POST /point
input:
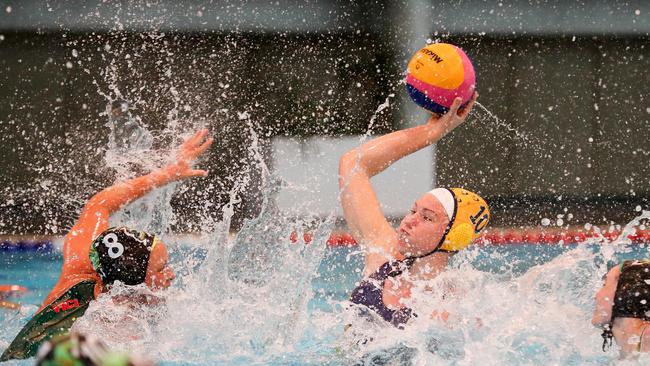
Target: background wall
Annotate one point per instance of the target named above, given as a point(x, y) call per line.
point(563, 127)
point(574, 126)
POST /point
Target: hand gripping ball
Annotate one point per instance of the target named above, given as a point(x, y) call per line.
point(437, 74)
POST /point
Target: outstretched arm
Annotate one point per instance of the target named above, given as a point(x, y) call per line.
point(605, 298)
point(95, 214)
point(360, 205)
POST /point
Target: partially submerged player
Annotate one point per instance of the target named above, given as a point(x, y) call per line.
point(77, 349)
point(7, 291)
point(441, 222)
point(95, 256)
point(623, 307)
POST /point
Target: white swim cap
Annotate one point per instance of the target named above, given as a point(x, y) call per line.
point(446, 199)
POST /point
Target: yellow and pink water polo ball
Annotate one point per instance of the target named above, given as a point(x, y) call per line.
point(437, 74)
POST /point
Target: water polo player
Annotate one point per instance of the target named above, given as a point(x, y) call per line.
point(623, 307)
point(441, 222)
point(95, 256)
point(7, 291)
point(76, 349)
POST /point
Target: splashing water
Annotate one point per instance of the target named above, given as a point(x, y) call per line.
point(521, 138)
point(254, 290)
point(541, 316)
point(130, 153)
point(128, 140)
point(254, 298)
point(249, 299)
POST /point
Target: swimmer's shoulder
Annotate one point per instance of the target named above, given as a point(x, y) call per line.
point(76, 251)
point(612, 276)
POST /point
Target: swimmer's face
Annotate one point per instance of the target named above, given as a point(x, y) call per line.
point(159, 274)
point(421, 230)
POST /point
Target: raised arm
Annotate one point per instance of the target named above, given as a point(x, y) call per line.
point(361, 208)
point(605, 298)
point(94, 216)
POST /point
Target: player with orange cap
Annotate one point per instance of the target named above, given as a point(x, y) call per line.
point(7, 291)
point(440, 223)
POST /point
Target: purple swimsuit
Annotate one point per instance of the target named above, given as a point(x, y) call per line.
point(370, 292)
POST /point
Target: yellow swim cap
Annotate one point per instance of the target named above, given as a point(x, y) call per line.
point(468, 216)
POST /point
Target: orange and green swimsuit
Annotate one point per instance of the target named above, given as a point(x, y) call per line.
point(54, 319)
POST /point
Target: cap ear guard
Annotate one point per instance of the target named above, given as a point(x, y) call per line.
point(458, 238)
point(471, 217)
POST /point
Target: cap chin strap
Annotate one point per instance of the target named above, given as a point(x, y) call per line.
point(410, 260)
point(438, 249)
point(607, 336)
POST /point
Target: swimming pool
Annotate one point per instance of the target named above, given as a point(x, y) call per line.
point(534, 304)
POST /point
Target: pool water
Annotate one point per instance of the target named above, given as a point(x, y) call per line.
point(37, 271)
point(533, 303)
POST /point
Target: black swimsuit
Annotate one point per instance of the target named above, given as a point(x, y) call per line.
point(370, 292)
point(632, 297)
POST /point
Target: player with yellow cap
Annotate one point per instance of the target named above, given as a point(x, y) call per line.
point(440, 223)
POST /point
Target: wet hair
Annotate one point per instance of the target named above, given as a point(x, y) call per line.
point(122, 254)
